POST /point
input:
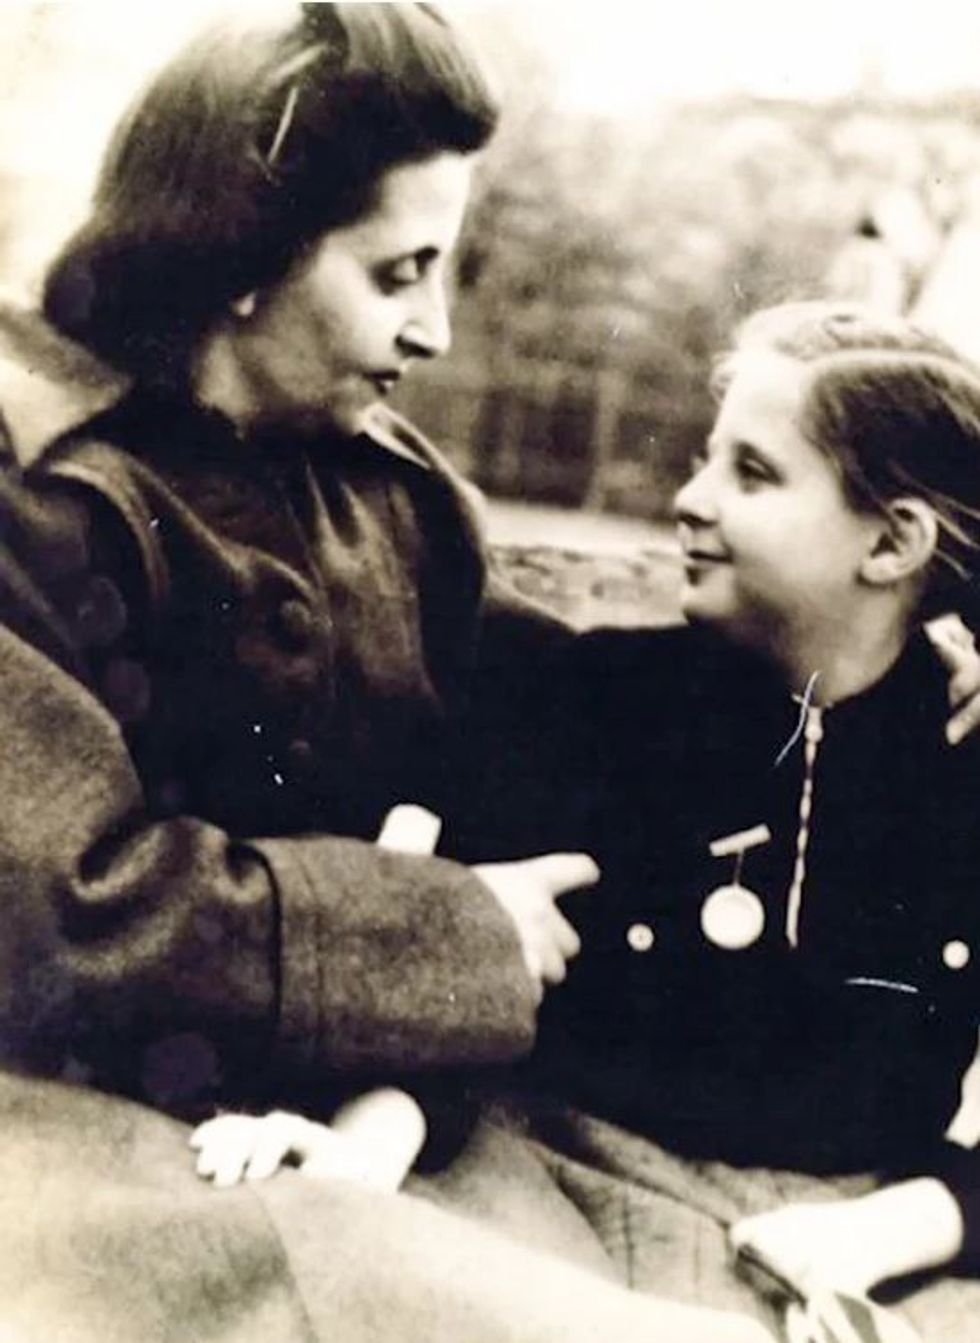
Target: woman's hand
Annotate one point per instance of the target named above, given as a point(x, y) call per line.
point(528, 891)
point(854, 1244)
point(956, 649)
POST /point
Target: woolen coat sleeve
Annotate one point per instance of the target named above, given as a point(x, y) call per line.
point(303, 953)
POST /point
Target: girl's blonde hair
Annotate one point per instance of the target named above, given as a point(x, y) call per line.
point(898, 409)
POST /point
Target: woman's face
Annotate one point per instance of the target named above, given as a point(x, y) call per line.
point(343, 327)
point(771, 545)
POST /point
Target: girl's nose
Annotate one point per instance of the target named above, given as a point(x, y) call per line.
point(693, 503)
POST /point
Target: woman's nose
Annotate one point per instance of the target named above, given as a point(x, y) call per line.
point(427, 331)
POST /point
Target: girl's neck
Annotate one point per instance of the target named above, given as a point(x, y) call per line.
point(847, 658)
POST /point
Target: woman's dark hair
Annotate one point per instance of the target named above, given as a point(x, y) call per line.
point(247, 146)
point(898, 410)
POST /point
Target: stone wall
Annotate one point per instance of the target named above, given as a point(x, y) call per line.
point(596, 589)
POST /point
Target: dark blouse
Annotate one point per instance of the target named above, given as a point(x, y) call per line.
point(842, 1053)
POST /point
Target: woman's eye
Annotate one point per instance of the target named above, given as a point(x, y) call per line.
point(400, 274)
point(752, 470)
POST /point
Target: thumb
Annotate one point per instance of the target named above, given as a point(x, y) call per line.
point(952, 641)
point(561, 872)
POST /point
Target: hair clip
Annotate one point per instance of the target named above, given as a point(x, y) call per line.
point(285, 121)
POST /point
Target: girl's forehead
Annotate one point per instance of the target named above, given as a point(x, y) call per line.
point(766, 389)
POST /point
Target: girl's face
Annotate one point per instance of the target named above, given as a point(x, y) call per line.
point(771, 545)
point(342, 328)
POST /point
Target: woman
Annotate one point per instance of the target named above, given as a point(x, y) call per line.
point(780, 970)
point(242, 607)
point(289, 587)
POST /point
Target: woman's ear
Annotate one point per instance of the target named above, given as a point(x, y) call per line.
point(244, 306)
point(905, 543)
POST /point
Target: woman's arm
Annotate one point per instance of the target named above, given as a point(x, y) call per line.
point(956, 648)
point(279, 954)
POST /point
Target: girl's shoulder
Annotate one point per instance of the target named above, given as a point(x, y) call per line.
point(686, 659)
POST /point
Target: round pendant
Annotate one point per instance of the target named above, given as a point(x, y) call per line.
point(733, 917)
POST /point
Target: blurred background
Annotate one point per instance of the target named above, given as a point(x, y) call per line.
point(662, 170)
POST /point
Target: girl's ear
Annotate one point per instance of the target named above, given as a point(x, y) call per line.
point(905, 544)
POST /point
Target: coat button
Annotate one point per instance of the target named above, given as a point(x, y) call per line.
point(100, 615)
point(733, 917)
point(126, 690)
point(169, 797)
point(294, 622)
point(301, 756)
point(956, 955)
point(640, 937)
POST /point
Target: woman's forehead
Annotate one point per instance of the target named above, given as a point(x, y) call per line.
point(418, 204)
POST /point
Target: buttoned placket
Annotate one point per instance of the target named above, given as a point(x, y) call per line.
point(812, 737)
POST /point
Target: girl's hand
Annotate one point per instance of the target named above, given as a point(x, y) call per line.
point(528, 891)
point(372, 1139)
point(956, 649)
point(806, 1243)
point(233, 1147)
point(855, 1244)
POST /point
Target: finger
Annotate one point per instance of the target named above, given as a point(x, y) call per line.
point(566, 938)
point(212, 1136)
point(964, 722)
point(964, 685)
point(950, 629)
point(202, 1134)
point(274, 1140)
point(952, 642)
point(754, 1235)
point(224, 1162)
point(798, 1325)
point(410, 829)
point(211, 1130)
point(553, 969)
point(228, 1148)
point(561, 872)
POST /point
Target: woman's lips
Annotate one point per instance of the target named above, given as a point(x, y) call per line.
point(384, 382)
point(706, 557)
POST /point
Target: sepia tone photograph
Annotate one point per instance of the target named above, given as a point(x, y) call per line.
point(489, 696)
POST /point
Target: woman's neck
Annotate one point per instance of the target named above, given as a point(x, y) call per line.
point(217, 383)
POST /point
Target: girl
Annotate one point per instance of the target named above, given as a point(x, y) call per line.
point(781, 969)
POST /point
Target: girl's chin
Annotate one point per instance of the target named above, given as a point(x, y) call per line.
point(696, 605)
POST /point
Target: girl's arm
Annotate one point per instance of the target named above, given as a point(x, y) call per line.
point(855, 1244)
point(372, 1139)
